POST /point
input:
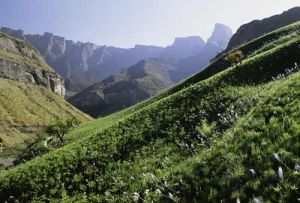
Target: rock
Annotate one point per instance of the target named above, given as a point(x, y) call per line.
point(258, 28)
point(20, 62)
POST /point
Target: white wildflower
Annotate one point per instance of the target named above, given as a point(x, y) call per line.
point(297, 167)
point(136, 196)
point(158, 192)
point(171, 196)
point(147, 192)
point(238, 200)
point(252, 171)
point(153, 176)
point(277, 157)
point(255, 200)
point(280, 173)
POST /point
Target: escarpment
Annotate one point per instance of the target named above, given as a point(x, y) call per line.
point(19, 61)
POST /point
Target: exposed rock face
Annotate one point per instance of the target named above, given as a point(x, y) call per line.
point(215, 45)
point(258, 28)
point(20, 62)
point(81, 64)
point(220, 36)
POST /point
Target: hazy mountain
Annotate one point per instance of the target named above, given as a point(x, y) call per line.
point(257, 28)
point(81, 64)
point(144, 79)
point(183, 47)
point(132, 85)
point(215, 45)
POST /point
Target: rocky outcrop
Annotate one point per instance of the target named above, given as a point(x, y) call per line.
point(220, 36)
point(20, 62)
point(258, 28)
point(20, 72)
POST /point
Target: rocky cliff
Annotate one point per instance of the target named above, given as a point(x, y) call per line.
point(19, 61)
point(257, 28)
point(82, 64)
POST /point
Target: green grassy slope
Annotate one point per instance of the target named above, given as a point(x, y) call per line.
point(210, 141)
point(24, 108)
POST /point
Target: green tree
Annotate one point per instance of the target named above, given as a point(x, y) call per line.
point(60, 128)
point(235, 57)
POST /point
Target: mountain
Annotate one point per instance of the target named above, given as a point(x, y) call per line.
point(31, 93)
point(183, 47)
point(229, 133)
point(82, 64)
point(85, 61)
point(126, 89)
point(132, 85)
point(258, 28)
point(216, 43)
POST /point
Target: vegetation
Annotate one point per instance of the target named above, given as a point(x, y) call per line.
point(25, 109)
point(235, 57)
point(229, 133)
point(47, 139)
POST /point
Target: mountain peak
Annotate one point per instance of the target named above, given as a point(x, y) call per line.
point(221, 35)
point(190, 41)
point(15, 33)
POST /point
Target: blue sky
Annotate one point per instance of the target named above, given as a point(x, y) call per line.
point(124, 23)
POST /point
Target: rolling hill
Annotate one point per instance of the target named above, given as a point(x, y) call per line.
point(229, 133)
point(31, 93)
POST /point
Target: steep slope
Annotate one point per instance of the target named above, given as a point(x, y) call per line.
point(231, 137)
point(132, 85)
point(31, 93)
point(257, 28)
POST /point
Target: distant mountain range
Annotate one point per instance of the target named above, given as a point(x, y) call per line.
point(132, 85)
point(83, 64)
point(183, 58)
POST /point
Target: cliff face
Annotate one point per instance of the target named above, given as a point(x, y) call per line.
point(21, 62)
point(257, 28)
point(82, 64)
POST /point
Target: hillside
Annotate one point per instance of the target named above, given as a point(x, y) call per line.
point(257, 28)
point(230, 133)
point(31, 93)
point(132, 85)
point(82, 64)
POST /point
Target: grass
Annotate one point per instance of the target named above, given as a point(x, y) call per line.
point(24, 109)
point(208, 139)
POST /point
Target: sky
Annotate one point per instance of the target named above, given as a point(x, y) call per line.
point(125, 23)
